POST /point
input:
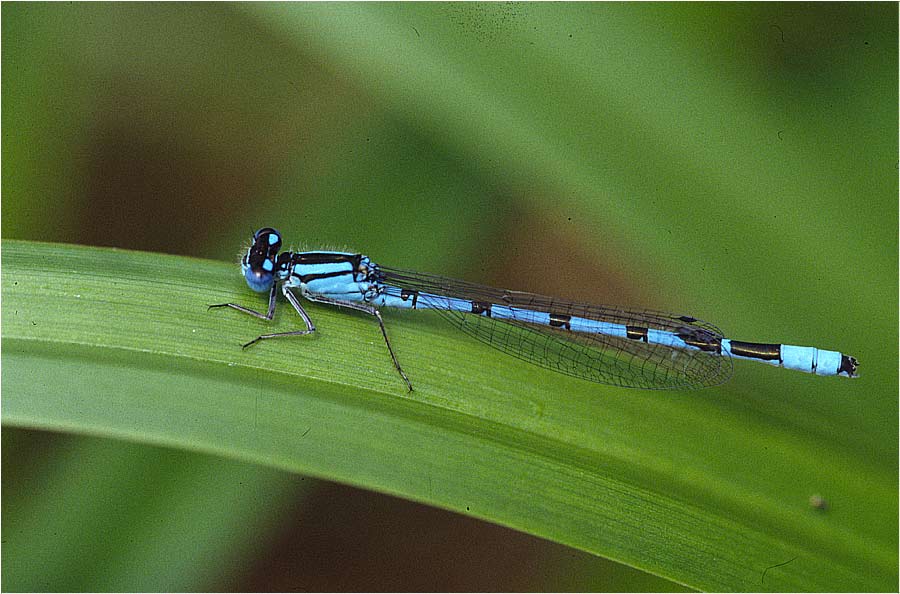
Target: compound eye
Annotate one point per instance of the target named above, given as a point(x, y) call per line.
point(268, 240)
point(259, 262)
point(258, 279)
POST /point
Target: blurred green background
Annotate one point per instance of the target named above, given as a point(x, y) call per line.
point(738, 162)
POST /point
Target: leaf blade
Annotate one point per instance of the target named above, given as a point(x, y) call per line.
point(124, 347)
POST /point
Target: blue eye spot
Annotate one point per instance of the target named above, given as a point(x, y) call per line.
point(273, 238)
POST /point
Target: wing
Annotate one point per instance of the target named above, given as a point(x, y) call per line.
point(597, 357)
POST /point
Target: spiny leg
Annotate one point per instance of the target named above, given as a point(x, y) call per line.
point(267, 316)
point(373, 311)
point(310, 328)
point(273, 294)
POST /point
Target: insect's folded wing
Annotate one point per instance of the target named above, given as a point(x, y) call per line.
point(597, 356)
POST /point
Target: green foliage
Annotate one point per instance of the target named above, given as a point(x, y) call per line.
point(124, 347)
point(737, 162)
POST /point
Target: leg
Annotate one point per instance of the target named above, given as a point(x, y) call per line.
point(372, 311)
point(273, 294)
point(296, 303)
point(267, 316)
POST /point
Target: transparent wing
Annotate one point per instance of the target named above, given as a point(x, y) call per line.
point(595, 357)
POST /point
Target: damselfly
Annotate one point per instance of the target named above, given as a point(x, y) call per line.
point(609, 345)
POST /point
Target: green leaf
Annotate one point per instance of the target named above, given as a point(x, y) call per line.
point(699, 487)
point(164, 519)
